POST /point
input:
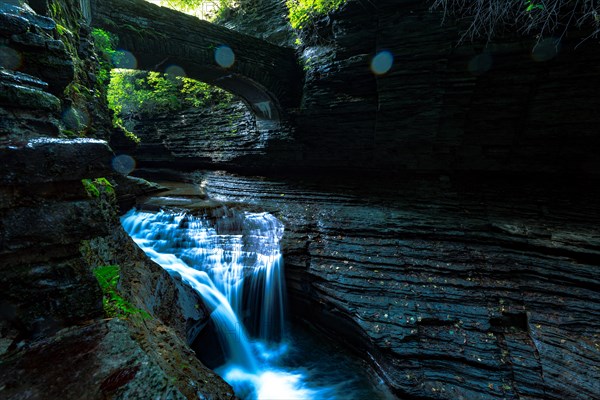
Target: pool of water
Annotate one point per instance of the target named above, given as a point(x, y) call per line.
point(307, 366)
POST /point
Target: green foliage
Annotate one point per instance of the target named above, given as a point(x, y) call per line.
point(105, 46)
point(133, 94)
point(96, 186)
point(114, 304)
point(108, 187)
point(302, 13)
point(532, 5)
point(62, 30)
point(205, 9)
point(183, 5)
point(200, 94)
point(90, 188)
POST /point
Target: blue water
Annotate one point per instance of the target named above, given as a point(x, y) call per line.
point(233, 260)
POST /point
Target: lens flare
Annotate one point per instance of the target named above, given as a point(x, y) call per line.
point(125, 59)
point(75, 119)
point(546, 49)
point(382, 62)
point(123, 164)
point(9, 58)
point(175, 70)
point(224, 56)
point(480, 64)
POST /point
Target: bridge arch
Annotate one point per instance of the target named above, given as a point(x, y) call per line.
point(267, 77)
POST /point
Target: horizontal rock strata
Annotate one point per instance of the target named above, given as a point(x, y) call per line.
point(54, 339)
point(474, 291)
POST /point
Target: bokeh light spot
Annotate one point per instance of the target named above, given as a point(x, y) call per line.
point(75, 119)
point(175, 70)
point(9, 58)
point(125, 59)
point(546, 49)
point(480, 63)
point(224, 56)
point(382, 62)
point(123, 164)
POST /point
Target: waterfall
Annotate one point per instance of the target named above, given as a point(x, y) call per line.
point(234, 261)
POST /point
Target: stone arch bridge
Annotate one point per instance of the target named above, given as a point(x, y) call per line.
point(267, 77)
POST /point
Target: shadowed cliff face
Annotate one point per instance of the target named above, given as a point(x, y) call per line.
point(511, 105)
point(54, 339)
point(454, 290)
point(507, 105)
point(224, 135)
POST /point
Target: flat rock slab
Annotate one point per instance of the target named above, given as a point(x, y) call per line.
point(50, 160)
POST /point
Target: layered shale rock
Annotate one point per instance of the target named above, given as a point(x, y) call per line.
point(453, 290)
point(264, 19)
point(226, 135)
point(54, 340)
point(215, 134)
point(29, 46)
point(508, 105)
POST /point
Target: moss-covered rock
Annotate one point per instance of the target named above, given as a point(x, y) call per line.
point(28, 97)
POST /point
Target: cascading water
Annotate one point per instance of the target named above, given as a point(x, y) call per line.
point(234, 261)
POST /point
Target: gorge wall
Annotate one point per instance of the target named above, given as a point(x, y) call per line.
point(55, 341)
point(511, 105)
point(504, 106)
point(453, 290)
point(197, 137)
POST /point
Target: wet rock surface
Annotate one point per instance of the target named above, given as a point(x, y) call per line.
point(52, 234)
point(54, 340)
point(44, 160)
point(102, 354)
point(34, 69)
point(29, 46)
point(112, 359)
point(227, 135)
point(26, 108)
point(178, 315)
point(45, 214)
point(462, 289)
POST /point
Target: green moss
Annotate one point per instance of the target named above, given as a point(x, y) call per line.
point(84, 94)
point(105, 44)
point(97, 186)
point(62, 30)
point(90, 188)
point(108, 187)
point(114, 304)
point(69, 133)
